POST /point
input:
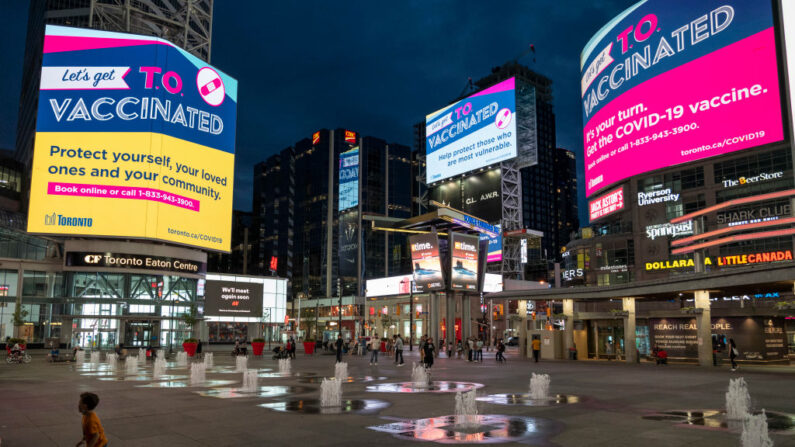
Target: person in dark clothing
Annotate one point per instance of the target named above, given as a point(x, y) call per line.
point(428, 349)
point(500, 351)
point(339, 345)
point(198, 349)
point(733, 353)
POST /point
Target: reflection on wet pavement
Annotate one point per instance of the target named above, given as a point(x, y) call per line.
point(434, 387)
point(355, 406)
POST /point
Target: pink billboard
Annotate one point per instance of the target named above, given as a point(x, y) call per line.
point(673, 82)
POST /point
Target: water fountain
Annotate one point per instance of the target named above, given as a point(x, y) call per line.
point(419, 376)
point(331, 393)
point(112, 359)
point(182, 359)
point(159, 368)
point(141, 355)
point(198, 374)
point(80, 357)
point(250, 381)
point(755, 431)
point(738, 401)
point(466, 408)
point(539, 386)
point(241, 363)
point(341, 371)
point(284, 366)
point(131, 365)
point(95, 357)
point(208, 360)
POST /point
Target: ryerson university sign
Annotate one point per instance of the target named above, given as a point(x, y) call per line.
point(659, 196)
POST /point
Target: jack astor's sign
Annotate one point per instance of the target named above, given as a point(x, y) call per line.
point(722, 261)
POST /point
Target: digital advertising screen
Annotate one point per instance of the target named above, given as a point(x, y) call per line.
point(494, 253)
point(427, 266)
point(464, 266)
point(349, 179)
point(135, 138)
point(606, 204)
point(675, 81)
point(474, 132)
point(233, 299)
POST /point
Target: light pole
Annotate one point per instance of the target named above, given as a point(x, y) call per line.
point(411, 314)
point(339, 313)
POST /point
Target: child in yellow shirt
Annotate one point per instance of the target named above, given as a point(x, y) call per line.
point(93, 433)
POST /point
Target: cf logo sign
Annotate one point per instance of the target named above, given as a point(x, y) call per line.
point(93, 259)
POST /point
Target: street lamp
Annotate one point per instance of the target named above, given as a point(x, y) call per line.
point(411, 314)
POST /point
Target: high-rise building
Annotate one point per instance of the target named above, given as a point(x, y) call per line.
point(186, 23)
point(274, 208)
point(566, 217)
point(527, 184)
point(308, 206)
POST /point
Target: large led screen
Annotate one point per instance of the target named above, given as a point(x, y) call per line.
point(135, 138)
point(349, 179)
point(669, 82)
point(233, 299)
point(426, 262)
point(474, 132)
point(464, 266)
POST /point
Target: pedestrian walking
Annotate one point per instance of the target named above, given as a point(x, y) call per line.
point(450, 349)
point(500, 351)
point(399, 350)
point(339, 345)
point(459, 349)
point(479, 346)
point(291, 352)
point(428, 348)
point(422, 348)
point(536, 348)
point(375, 346)
point(470, 349)
point(733, 354)
point(199, 349)
point(93, 433)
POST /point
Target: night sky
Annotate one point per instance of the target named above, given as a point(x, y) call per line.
point(374, 67)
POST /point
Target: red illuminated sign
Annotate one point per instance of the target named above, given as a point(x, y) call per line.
point(755, 258)
point(315, 138)
point(274, 263)
point(607, 204)
point(350, 136)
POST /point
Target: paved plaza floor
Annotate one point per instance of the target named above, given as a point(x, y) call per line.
point(38, 403)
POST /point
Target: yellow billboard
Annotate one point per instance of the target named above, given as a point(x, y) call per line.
point(135, 139)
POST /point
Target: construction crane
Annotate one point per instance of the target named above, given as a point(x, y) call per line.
point(528, 50)
point(469, 87)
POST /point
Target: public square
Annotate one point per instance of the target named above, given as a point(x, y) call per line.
point(39, 404)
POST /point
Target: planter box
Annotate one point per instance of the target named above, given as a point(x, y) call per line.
point(258, 347)
point(190, 348)
point(309, 347)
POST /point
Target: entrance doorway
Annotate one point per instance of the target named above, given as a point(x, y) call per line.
point(140, 333)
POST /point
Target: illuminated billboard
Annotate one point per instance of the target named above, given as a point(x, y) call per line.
point(474, 132)
point(670, 82)
point(349, 179)
point(426, 262)
point(135, 138)
point(606, 204)
point(464, 265)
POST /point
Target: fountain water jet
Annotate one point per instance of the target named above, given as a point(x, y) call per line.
point(331, 393)
point(539, 386)
point(755, 431)
point(250, 380)
point(241, 363)
point(182, 359)
point(131, 365)
point(141, 355)
point(419, 376)
point(466, 408)
point(738, 401)
point(341, 371)
point(198, 373)
point(112, 359)
point(159, 368)
point(208, 360)
point(95, 357)
point(284, 366)
point(80, 357)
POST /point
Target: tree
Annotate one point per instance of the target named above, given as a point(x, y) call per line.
point(190, 318)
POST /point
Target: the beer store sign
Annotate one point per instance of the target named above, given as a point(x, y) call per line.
point(722, 261)
point(127, 261)
point(763, 177)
